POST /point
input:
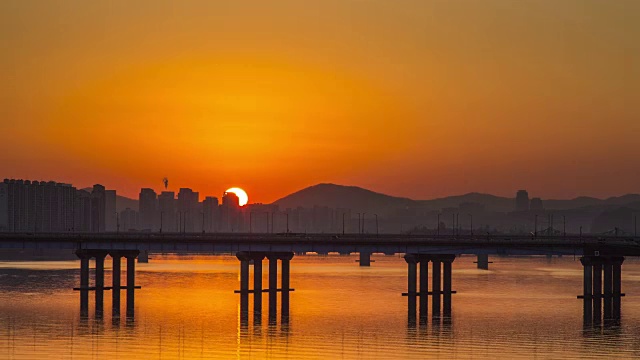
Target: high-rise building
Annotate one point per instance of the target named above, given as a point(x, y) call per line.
point(129, 220)
point(98, 208)
point(210, 208)
point(188, 210)
point(522, 200)
point(37, 206)
point(82, 211)
point(230, 214)
point(536, 204)
point(148, 210)
point(169, 221)
point(4, 206)
point(110, 217)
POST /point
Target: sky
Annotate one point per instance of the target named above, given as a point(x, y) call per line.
point(415, 98)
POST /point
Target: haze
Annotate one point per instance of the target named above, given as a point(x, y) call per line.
point(411, 98)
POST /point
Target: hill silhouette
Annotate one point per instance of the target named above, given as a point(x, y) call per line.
point(362, 200)
point(349, 197)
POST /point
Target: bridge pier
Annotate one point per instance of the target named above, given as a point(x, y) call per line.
point(598, 290)
point(483, 261)
point(436, 286)
point(440, 285)
point(257, 257)
point(85, 255)
point(99, 274)
point(84, 283)
point(143, 257)
point(412, 270)
point(424, 287)
point(447, 262)
point(131, 281)
point(115, 282)
point(365, 258)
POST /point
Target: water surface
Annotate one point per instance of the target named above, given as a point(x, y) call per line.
point(523, 307)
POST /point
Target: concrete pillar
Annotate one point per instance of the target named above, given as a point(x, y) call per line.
point(115, 283)
point(84, 282)
point(143, 257)
point(131, 283)
point(446, 285)
point(412, 275)
point(365, 258)
point(257, 285)
point(273, 287)
point(587, 290)
point(436, 286)
point(616, 264)
point(483, 261)
point(608, 289)
point(285, 282)
point(424, 286)
point(99, 283)
point(597, 289)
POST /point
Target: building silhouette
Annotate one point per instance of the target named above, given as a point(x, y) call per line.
point(169, 221)
point(522, 200)
point(148, 210)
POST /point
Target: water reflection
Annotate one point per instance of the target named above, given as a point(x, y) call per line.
point(256, 312)
point(99, 306)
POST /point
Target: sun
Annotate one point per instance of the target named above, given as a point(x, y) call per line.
point(242, 195)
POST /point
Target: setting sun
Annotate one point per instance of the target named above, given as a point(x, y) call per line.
point(242, 195)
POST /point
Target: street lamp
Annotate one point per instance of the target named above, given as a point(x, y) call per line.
point(471, 219)
point(117, 222)
point(250, 222)
point(287, 222)
point(358, 222)
point(343, 223)
point(438, 225)
point(161, 213)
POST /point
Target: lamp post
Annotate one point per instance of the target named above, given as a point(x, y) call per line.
point(438, 225)
point(358, 223)
point(471, 219)
point(117, 222)
point(343, 223)
point(203, 222)
point(161, 213)
point(377, 230)
point(250, 222)
point(287, 222)
point(564, 225)
point(535, 226)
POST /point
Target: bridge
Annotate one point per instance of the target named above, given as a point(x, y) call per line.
point(600, 255)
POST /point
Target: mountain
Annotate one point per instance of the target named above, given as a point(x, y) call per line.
point(362, 200)
point(349, 197)
point(490, 202)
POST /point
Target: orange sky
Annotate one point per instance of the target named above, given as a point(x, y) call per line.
point(412, 98)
